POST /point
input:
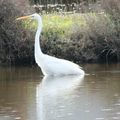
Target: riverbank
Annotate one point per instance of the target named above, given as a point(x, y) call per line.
point(79, 37)
point(89, 37)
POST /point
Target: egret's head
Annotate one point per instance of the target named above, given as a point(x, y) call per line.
point(33, 16)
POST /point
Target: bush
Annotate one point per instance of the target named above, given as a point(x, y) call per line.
point(89, 37)
point(99, 41)
point(112, 8)
point(15, 42)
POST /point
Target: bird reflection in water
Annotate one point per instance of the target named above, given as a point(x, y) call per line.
point(53, 93)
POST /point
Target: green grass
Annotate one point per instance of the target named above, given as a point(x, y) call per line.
point(57, 24)
point(80, 37)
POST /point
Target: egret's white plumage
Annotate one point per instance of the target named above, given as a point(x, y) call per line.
point(51, 65)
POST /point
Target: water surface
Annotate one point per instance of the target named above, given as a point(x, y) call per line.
point(26, 95)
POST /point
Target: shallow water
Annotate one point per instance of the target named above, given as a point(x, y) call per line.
point(26, 95)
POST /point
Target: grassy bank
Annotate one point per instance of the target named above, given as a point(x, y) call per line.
point(89, 37)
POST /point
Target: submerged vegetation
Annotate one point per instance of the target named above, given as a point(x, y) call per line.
point(79, 37)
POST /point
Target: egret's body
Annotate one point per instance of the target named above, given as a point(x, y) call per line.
point(54, 66)
point(51, 65)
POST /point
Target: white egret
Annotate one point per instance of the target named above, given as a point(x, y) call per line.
point(51, 65)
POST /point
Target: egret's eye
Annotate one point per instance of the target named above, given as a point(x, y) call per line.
point(32, 17)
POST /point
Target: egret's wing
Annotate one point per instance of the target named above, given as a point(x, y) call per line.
point(59, 61)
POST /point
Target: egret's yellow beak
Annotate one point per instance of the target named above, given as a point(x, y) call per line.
point(22, 18)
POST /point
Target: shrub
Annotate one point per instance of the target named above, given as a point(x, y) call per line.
point(15, 42)
point(90, 38)
point(98, 41)
point(112, 8)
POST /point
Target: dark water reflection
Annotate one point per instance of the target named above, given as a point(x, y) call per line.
point(25, 95)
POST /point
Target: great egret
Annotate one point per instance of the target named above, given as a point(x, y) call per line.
point(51, 65)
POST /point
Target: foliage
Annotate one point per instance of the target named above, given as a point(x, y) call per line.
point(94, 39)
point(60, 1)
point(15, 42)
point(88, 37)
point(112, 7)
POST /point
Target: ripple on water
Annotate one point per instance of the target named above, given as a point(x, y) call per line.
point(6, 116)
point(116, 95)
point(115, 118)
point(118, 113)
point(62, 106)
point(87, 111)
point(59, 116)
point(69, 114)
point(14, 111)
point(17, 118)
point(117, 104)
point(106, 109)
point(100, 118)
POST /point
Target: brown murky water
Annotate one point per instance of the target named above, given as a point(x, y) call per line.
point(26, 95)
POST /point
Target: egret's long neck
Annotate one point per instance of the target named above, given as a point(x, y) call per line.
point(37, 36)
